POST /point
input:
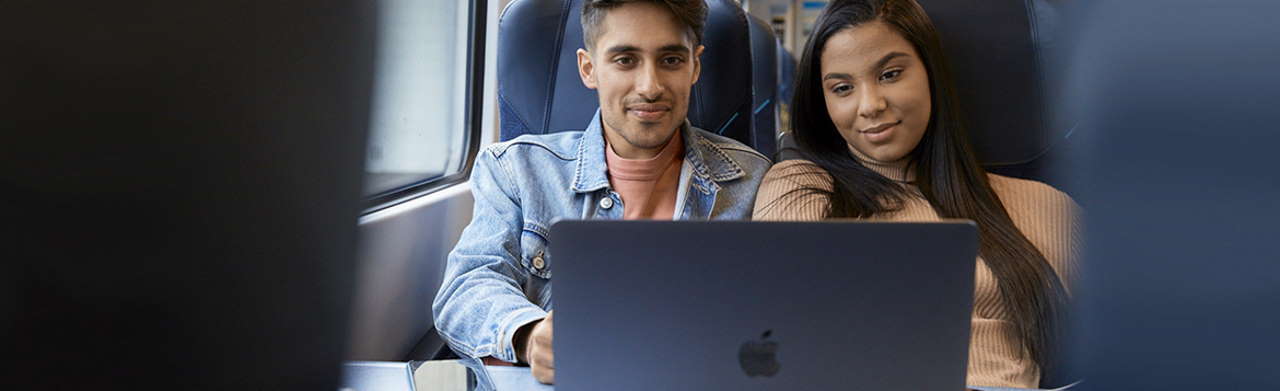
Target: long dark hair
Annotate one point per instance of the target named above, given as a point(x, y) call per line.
point(947, 172)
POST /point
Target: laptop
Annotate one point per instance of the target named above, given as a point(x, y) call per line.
point(734, 305)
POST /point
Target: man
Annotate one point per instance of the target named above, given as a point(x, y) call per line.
point(638, 159)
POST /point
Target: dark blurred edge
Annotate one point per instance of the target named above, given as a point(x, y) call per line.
point(180, 188)
point(1180, 278)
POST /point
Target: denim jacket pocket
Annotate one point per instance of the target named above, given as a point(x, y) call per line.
point(533, 244)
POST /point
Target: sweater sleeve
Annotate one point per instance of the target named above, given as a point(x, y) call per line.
point(788, 193)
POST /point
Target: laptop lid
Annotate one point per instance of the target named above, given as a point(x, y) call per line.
point(645, 305)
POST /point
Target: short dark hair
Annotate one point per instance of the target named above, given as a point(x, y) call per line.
point(691, 13)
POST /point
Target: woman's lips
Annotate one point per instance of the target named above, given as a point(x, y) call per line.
point(880, 133)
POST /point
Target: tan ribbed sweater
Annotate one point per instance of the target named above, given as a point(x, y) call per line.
point(1044, 215)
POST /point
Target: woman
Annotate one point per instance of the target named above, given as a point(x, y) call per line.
point(876, 118)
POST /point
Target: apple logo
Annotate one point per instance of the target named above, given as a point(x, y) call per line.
point(760, 357)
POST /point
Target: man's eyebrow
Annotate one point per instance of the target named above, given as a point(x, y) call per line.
point(674, 48)
point(665, 49)
point(845, 76)
point(887, 58)
point(622, 49)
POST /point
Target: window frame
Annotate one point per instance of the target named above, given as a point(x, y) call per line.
point(472, 118)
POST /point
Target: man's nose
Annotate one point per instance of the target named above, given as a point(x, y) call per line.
point(648, 84)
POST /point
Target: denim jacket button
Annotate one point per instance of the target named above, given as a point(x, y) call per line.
point(606, 203)
point(538, 263)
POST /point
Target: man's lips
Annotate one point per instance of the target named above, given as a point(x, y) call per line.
point(649, 107)
point(649, 111)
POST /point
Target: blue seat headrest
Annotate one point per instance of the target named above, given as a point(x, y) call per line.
point(1002, 56)
point(539, 90)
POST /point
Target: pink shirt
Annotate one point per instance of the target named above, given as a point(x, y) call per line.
point(648, 187)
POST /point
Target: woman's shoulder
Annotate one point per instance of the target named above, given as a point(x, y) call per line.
point(1026, 191)
point(1047, 216)
point(786, 192)
point(1042, 212)
point(797, 173)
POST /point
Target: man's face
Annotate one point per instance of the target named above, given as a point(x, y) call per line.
point(643, 65)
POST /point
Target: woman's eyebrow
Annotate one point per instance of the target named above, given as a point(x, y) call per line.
point(845, 76)
point(879, 64)
point(887, 58)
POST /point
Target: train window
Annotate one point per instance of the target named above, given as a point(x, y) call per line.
point(424, 123)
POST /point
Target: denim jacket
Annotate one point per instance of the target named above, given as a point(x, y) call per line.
point(498, 277)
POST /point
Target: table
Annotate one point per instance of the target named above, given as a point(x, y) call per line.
point(520, 379)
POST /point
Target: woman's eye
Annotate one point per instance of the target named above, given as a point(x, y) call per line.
point(842, 88)
point(891, 75)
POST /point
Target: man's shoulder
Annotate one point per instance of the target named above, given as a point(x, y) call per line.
point(740, 153)
point(559, 145)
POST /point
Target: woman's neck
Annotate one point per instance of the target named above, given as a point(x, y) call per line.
point(897, 170)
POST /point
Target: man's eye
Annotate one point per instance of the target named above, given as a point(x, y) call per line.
point(672, 61)
point(624, 61)
point(891, 75)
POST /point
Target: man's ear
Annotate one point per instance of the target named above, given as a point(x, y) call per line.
point(697, 63)
point(586, 69)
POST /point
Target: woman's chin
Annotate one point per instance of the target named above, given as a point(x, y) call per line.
point(881, 153)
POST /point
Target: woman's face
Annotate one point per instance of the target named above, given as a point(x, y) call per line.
point(876, 90)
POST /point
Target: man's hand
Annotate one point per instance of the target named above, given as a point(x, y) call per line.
point(538, 352)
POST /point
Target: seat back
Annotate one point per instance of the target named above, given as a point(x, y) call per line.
point(764, 69)
point(786, 75)
point(1003, 56)
point(539, 90)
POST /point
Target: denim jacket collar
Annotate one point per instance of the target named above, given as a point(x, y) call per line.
point(708, 160)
